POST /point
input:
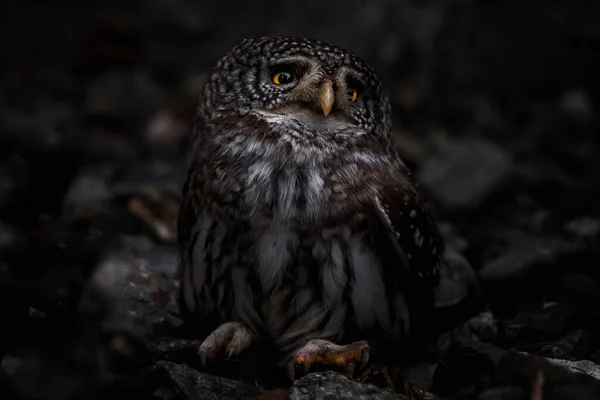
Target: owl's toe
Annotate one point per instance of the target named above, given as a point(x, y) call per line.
point(231, 336)
point(349, 359)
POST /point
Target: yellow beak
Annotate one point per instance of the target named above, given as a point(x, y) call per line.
point(326, 97)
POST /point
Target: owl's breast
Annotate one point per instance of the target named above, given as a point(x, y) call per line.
point(286, 193)
point(322, 282)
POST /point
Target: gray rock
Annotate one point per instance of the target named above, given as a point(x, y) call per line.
point(102, 298)
point(585, 227)
point(88, 190)
point(559, 378)
point(157, 257)
point(457, 279)
point(577, 103)
point(165, 132)
point(333, 386)
point(451, 236)
point(584, 366)
point(182, 382)
point(464, 173)
point(124, 295)
point(486, 353)
point(150, 298)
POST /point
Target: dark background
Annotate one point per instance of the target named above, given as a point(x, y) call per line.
point(496, 110)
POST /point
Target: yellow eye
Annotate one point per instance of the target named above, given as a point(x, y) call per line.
point(353, 94)
point(283, 77)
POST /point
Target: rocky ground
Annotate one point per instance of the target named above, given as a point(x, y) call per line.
point(496, 111)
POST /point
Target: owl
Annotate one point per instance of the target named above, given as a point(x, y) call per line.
point(299, 223)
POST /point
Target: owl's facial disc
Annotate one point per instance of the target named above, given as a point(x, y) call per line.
point(310, 92)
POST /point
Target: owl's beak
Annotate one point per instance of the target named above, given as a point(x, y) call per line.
point(326, 97)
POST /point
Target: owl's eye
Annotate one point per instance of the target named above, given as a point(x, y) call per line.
point(284, 76)
point(353, 94)
point(354, 87)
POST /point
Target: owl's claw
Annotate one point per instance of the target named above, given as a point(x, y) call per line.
point(233, 336)
point(328, 354)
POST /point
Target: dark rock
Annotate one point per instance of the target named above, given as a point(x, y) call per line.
point(544, 321)
point(465, 361)
point(178, 381)
point(331, 385)
point(108, 42)
point(276, 394)
point(158, 212)
point(149, 297)
point(584, 366)
point(89, 192)
point(519, 369)
point(160, 175)
point(70, 366)
point(47, 268)
point(577, 104)
point(166, 131)
point(180, 351)
point(573, 346)
point(33, 374)
point(465, 64)
point(151, 191)
point(122, 94)
point(580, 288)
point(464, 173)
point(502, 393)
point(40, 178)
point(526, 254)
point(6, 185)
point(157, 257)
point(8, 236)
point(482, 327)
point(487, 353)
point(421, 375)
point(39, 128)
point(410, 147)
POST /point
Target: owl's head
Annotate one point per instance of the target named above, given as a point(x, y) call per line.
point(297, 79)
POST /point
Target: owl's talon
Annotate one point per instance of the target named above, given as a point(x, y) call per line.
point(233, 336)
point(328, 354)
point(366, 353)
point(300, 369)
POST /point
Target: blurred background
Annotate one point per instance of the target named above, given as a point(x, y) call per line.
point(496, 110)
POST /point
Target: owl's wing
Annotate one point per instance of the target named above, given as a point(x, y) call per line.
point(411, 237)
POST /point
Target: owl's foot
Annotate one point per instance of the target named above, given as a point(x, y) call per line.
point(233, 336)
point(327, 354)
